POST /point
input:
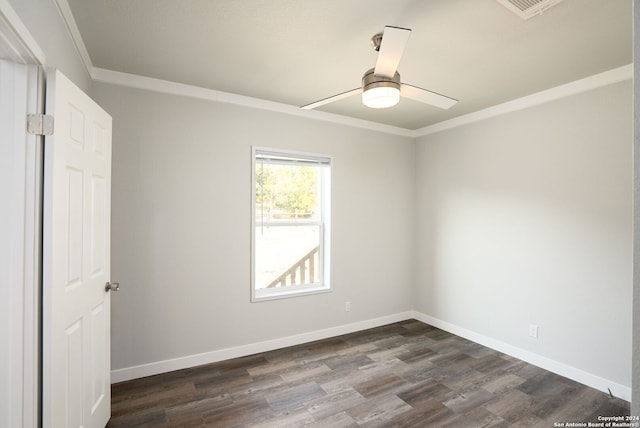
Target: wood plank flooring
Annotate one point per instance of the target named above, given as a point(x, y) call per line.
point(406, 374)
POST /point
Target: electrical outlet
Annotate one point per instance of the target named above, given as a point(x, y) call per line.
point(533, 331)
point(347, 306)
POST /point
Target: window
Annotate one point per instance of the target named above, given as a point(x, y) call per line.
point(291, 204)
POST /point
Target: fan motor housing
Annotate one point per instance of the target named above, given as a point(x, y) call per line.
point(371, 80)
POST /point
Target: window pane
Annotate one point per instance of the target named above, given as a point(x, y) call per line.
point(291, 224)
point(286, 256)
point(286, 192)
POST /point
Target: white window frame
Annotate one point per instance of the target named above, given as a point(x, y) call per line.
point(324, 222)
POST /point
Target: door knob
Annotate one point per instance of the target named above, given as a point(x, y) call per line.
point(111, 286)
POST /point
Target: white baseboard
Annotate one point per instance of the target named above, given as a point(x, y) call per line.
point(589, 379)
point(585, 378)
point(128, 373)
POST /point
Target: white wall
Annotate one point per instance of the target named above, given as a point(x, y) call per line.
point(181, 225)
point(526, 219)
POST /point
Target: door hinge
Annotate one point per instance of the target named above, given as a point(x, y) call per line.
point(40, 124)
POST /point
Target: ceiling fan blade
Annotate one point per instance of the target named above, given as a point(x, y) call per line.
point(427, 97)
point(332, 99)
point(394, 40)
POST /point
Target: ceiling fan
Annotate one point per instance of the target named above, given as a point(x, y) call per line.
point(381, 86)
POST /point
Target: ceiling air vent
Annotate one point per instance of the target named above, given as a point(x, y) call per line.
point(525, 9)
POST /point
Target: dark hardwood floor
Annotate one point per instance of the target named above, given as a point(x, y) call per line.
point(406, 374)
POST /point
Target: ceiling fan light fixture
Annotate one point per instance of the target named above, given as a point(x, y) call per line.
point(381, 97)
point(380, 91)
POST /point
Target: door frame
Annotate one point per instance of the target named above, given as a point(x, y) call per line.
point(17, 46)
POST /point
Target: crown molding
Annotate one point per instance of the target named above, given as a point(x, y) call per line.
point(151, 84)
point(74, 33)
point(573, 88)
point(173, 88)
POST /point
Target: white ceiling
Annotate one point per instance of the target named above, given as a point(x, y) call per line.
point(299, 51)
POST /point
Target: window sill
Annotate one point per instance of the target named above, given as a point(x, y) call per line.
point(283, 293)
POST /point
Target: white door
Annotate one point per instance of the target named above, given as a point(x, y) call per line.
point(76, 259)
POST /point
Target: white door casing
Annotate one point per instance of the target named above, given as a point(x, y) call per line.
point(76, 259)
point(19, 246)
point(21, 93)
